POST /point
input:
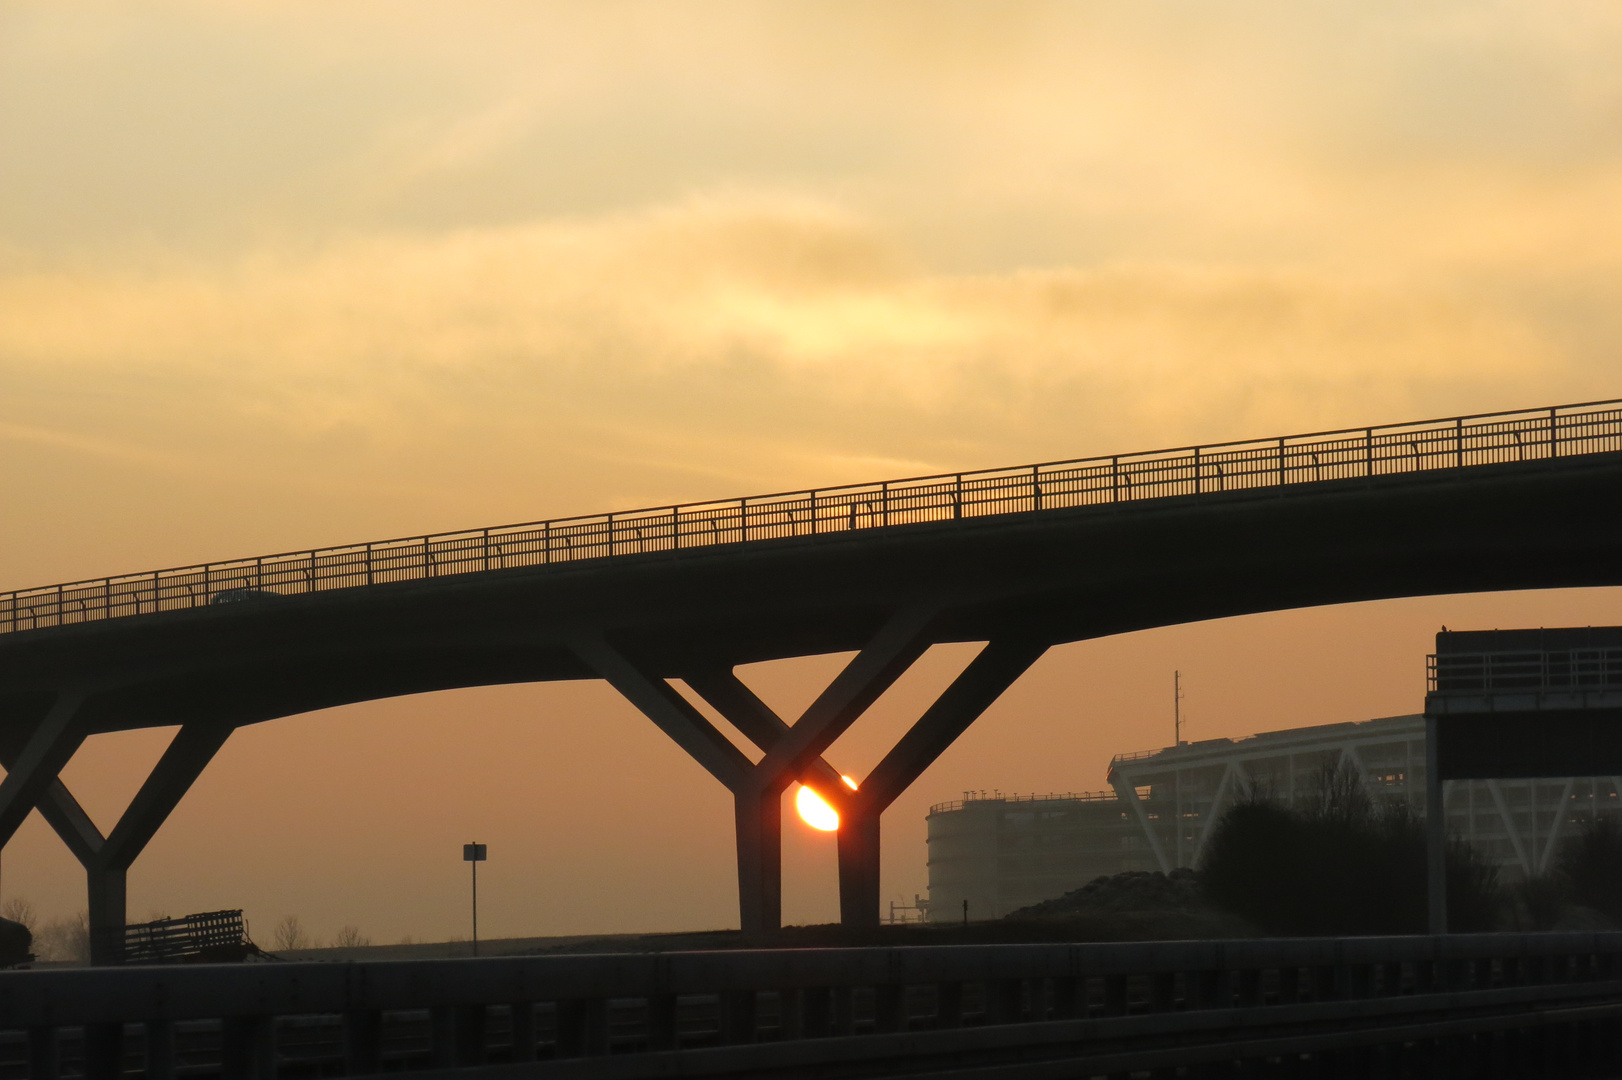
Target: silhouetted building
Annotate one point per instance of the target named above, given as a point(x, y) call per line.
point(1005, 852)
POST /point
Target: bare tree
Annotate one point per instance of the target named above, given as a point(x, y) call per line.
point(289, 934)
point(64, 939)
point(20, 910)
point(350, 937)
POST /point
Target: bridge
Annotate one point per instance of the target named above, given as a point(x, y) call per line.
point(1020, 559)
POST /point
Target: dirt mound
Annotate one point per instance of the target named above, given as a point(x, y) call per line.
point(1132, 892)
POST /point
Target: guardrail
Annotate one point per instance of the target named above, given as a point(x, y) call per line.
point(1423, 446)
point(672, 1014)
point(970, 798)
point(1524, 670)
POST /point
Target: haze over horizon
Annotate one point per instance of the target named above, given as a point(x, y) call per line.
point(275, 276)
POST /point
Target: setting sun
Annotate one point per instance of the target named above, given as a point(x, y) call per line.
point(815, 812)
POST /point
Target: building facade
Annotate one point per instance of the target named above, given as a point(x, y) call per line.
point(1001, 853)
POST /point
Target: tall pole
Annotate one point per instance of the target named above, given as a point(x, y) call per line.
point(1177, 774)
point(1177, 708)
point(475, 854)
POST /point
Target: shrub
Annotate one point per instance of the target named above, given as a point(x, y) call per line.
point(64, 939)
point(1343, 863)
point(350, 937)
point(289, 934)
point(20, 910)
point(1591, 865)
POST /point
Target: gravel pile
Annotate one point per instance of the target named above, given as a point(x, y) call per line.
point(1132, 891)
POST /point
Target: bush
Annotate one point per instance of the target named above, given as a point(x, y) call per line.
point(350, 937)
point(1590, 865)
point(64, 939)
point(289, 934)
point(20, 910)
point(1342, 864)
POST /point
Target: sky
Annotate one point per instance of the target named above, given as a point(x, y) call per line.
point(282, 275)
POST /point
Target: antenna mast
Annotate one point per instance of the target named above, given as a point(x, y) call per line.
point(1177, 707)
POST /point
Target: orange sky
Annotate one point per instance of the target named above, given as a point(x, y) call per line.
point(274, 276)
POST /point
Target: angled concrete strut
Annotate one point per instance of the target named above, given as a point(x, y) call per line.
point(32, 768)
point(994, 670)
point(670, 712)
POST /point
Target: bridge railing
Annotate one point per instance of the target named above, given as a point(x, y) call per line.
point(355, 1018)
point(971, 798)
point(1454, 443)
point(1525, 670)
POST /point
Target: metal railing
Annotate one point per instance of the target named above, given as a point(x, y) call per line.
point(753, 1013)
point(1136, 755)
point(211, 935)
point(1524, 670)
point(971, 798)
point(1423, 446)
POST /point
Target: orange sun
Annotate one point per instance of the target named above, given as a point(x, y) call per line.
point(818, 814)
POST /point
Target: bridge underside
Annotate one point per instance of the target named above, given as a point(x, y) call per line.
point(1020, 582)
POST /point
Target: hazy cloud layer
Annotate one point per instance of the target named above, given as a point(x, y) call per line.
point(676, 332)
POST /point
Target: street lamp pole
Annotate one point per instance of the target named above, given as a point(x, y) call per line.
point(474, 854)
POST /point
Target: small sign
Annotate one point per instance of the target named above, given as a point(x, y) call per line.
point(473, 853)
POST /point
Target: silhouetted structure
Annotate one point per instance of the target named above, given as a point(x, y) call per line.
point(1004, 852)
point(1530, 704)
point(1018, 558)
point(207, 937)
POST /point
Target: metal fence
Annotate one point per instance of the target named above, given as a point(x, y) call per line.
point(214, 934)
point(1424, 446)
point(1559, 669)
point(971, 798)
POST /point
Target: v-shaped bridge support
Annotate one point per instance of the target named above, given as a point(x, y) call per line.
point(33, 782)
point(794, 751)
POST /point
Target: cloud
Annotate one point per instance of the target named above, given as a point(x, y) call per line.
point(757, 317)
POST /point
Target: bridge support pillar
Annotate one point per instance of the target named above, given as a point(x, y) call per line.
point(994, 670)
point(106, 859)
point(794, 751)
point(760, 860)
point(791, 753)
point(859, 893)
point(107, 911)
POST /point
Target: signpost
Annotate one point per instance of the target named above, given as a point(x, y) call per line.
point(474, 854)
